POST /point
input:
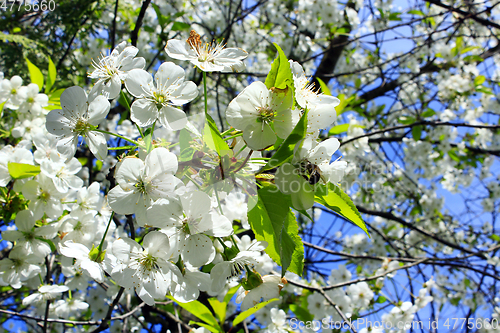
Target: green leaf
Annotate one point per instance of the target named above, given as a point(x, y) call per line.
point(208, 327)
point(324, 87)
point(180, 26)
point(280, 76)
point(35, 74)
point(21, 170)
point(335, 130)
point(406, 120)
point(245, 314)
point(428, 113)
point(301, 313)
point(344, 102)
point(273, 221)
point(473, 58)
point(219, 309)
point(200, 311)
point(470, 48)
point(231, 293)
point(285, 151)
point(148, 141)
point(479, 80)
point(162, 19)
point(484, 90)
point(334, 198)
point(213, 138)
point(495, 237)
point(416, 12)
point(51, 78)
point(416, 132)
point(381, 299)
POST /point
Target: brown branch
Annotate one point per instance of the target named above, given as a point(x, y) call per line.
point(466, 15)
point(134, 35)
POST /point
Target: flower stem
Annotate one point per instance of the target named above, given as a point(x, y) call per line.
point(234, 136)
point(128, 108)
point(105, 233)
point(117, 135)
point(205, 91)
point(218, 201)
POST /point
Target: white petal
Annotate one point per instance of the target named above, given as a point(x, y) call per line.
point(98, 110)
point(129, 173)
point(172, 117)
point(186, 93)
point(97, 144)
point(123, 202)
point(198, 250)
point(160, 161)
point(196, 204)
point(74, 100)
point(169, 73)
point(178, 49)
point(138, 82)
point(144, 112)
point(259, 136)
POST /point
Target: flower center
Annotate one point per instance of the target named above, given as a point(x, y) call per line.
point(31, 100)
point(160, 100)
point(266, 115)
point(147, 261)
point(81, 127)
point(44, 196)
point(143, 187)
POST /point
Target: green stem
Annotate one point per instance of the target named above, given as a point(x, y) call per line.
point(218, 201)
point(105, 233)
point(128, 108)
point(227, 132)
point(122, 148)
point(205, 91)
point(234, 136)
point(117, 135)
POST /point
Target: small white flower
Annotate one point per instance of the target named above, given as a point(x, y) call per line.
point(158, 101)
point(112, 70)
point(44, 293)
point(28, 236)
point(261, 114)
point(321, 107)
point(81, 253)
point(188, 221)
point(77, 118)
point(140, 183)
point(269, 288)
point(207, 57)
point(147, 269)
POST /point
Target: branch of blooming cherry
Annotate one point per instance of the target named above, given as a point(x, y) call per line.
point(421, 122)
point(429, 261)
point(73, 322)
point(135, 33)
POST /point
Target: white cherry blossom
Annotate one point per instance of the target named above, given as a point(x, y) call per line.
point(159, 101)
point(207, 57)
point(79, 117)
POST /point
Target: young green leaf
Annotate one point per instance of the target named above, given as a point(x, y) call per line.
point(21, 170)
point(51, 78)
point(35, 74)
point(324, 87)
point(271, 219)
point(285, 151)
point(280, 76)
point(245, 314)
point(199, 310)
point(332, 197)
